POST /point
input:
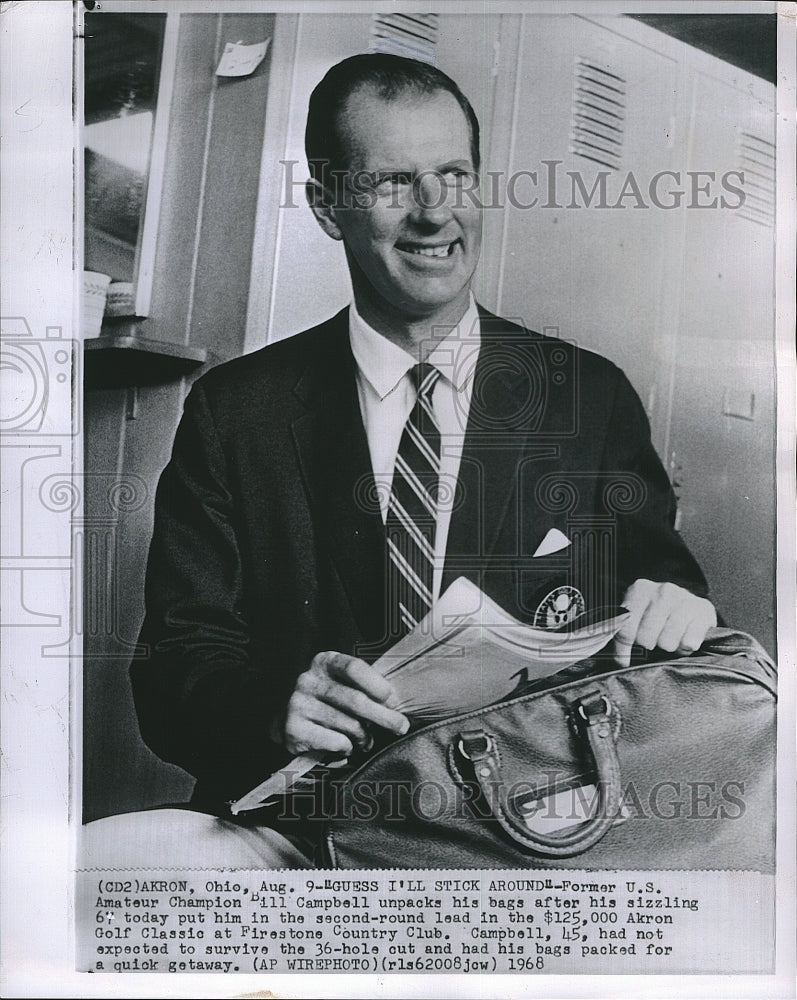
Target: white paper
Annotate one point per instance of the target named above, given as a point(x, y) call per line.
point(241, 60)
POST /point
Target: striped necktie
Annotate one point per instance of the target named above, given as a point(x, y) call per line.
point(412, 510)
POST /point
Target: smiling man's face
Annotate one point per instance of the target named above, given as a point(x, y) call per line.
point(413, 243)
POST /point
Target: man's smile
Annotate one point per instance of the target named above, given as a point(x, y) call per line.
point(429, 250)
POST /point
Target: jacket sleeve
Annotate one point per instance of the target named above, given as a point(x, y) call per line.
point(643, 502)
point(201, 702)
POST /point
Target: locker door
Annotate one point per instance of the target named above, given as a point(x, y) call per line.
point(592, 108)
point(722, 436)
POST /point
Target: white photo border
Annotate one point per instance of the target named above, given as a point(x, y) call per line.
point(40, 698)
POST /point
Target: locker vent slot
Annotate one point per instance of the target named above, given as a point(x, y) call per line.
point(597, 128)
point(756, 159)
point(410, 35)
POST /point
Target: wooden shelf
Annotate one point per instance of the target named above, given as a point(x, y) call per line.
point(120, 358)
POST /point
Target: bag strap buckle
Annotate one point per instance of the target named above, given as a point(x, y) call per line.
point(595, 707)
point(475, 745)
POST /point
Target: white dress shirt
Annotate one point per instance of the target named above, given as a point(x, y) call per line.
point(387, 396)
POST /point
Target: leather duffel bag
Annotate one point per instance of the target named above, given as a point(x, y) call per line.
point(660, 765)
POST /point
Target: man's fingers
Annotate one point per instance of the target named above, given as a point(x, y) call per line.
point(694, 633)
point(622, 652)
point(357, 673)
point(303, 735)
point(333, 703)
point(673, 635)
point(307, 708)
point(626, 636)
point(653, 626)
point(624, 641)
point(354, 687)
point(354, 672)
point(635, 600)
point(360, 706)
point(695, 636)
point(663, 615)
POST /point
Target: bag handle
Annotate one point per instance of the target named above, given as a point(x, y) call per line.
point(592, 714)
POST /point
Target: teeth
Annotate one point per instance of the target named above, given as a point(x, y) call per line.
point(431, 251)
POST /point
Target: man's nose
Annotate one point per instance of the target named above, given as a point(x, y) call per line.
point(430, 203)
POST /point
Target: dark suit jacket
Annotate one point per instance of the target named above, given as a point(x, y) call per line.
point(269, 547)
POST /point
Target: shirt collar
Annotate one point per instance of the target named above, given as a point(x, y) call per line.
point(384, 364)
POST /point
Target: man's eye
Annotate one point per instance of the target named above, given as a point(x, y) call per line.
point(387, 183)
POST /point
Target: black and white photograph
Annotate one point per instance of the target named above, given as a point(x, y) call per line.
point(398, 447)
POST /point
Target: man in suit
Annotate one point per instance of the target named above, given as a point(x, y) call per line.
point(271, 585)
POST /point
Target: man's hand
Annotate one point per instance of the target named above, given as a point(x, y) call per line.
point(663, 615)
point(332, 704)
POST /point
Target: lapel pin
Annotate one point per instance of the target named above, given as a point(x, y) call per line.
point(559, 607)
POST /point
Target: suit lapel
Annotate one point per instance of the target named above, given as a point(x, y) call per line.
point(332, 450)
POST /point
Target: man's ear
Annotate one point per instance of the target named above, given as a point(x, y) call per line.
point(318, 200)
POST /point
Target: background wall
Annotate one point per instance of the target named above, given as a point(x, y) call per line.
point(681, 299)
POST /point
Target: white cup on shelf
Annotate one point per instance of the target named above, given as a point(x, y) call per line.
point(95, 290)
point(121, 299)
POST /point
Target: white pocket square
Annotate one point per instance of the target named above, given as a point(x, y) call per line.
point(554, 541)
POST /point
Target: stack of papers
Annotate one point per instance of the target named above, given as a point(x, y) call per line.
point(466, 654)
point(469, 653)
